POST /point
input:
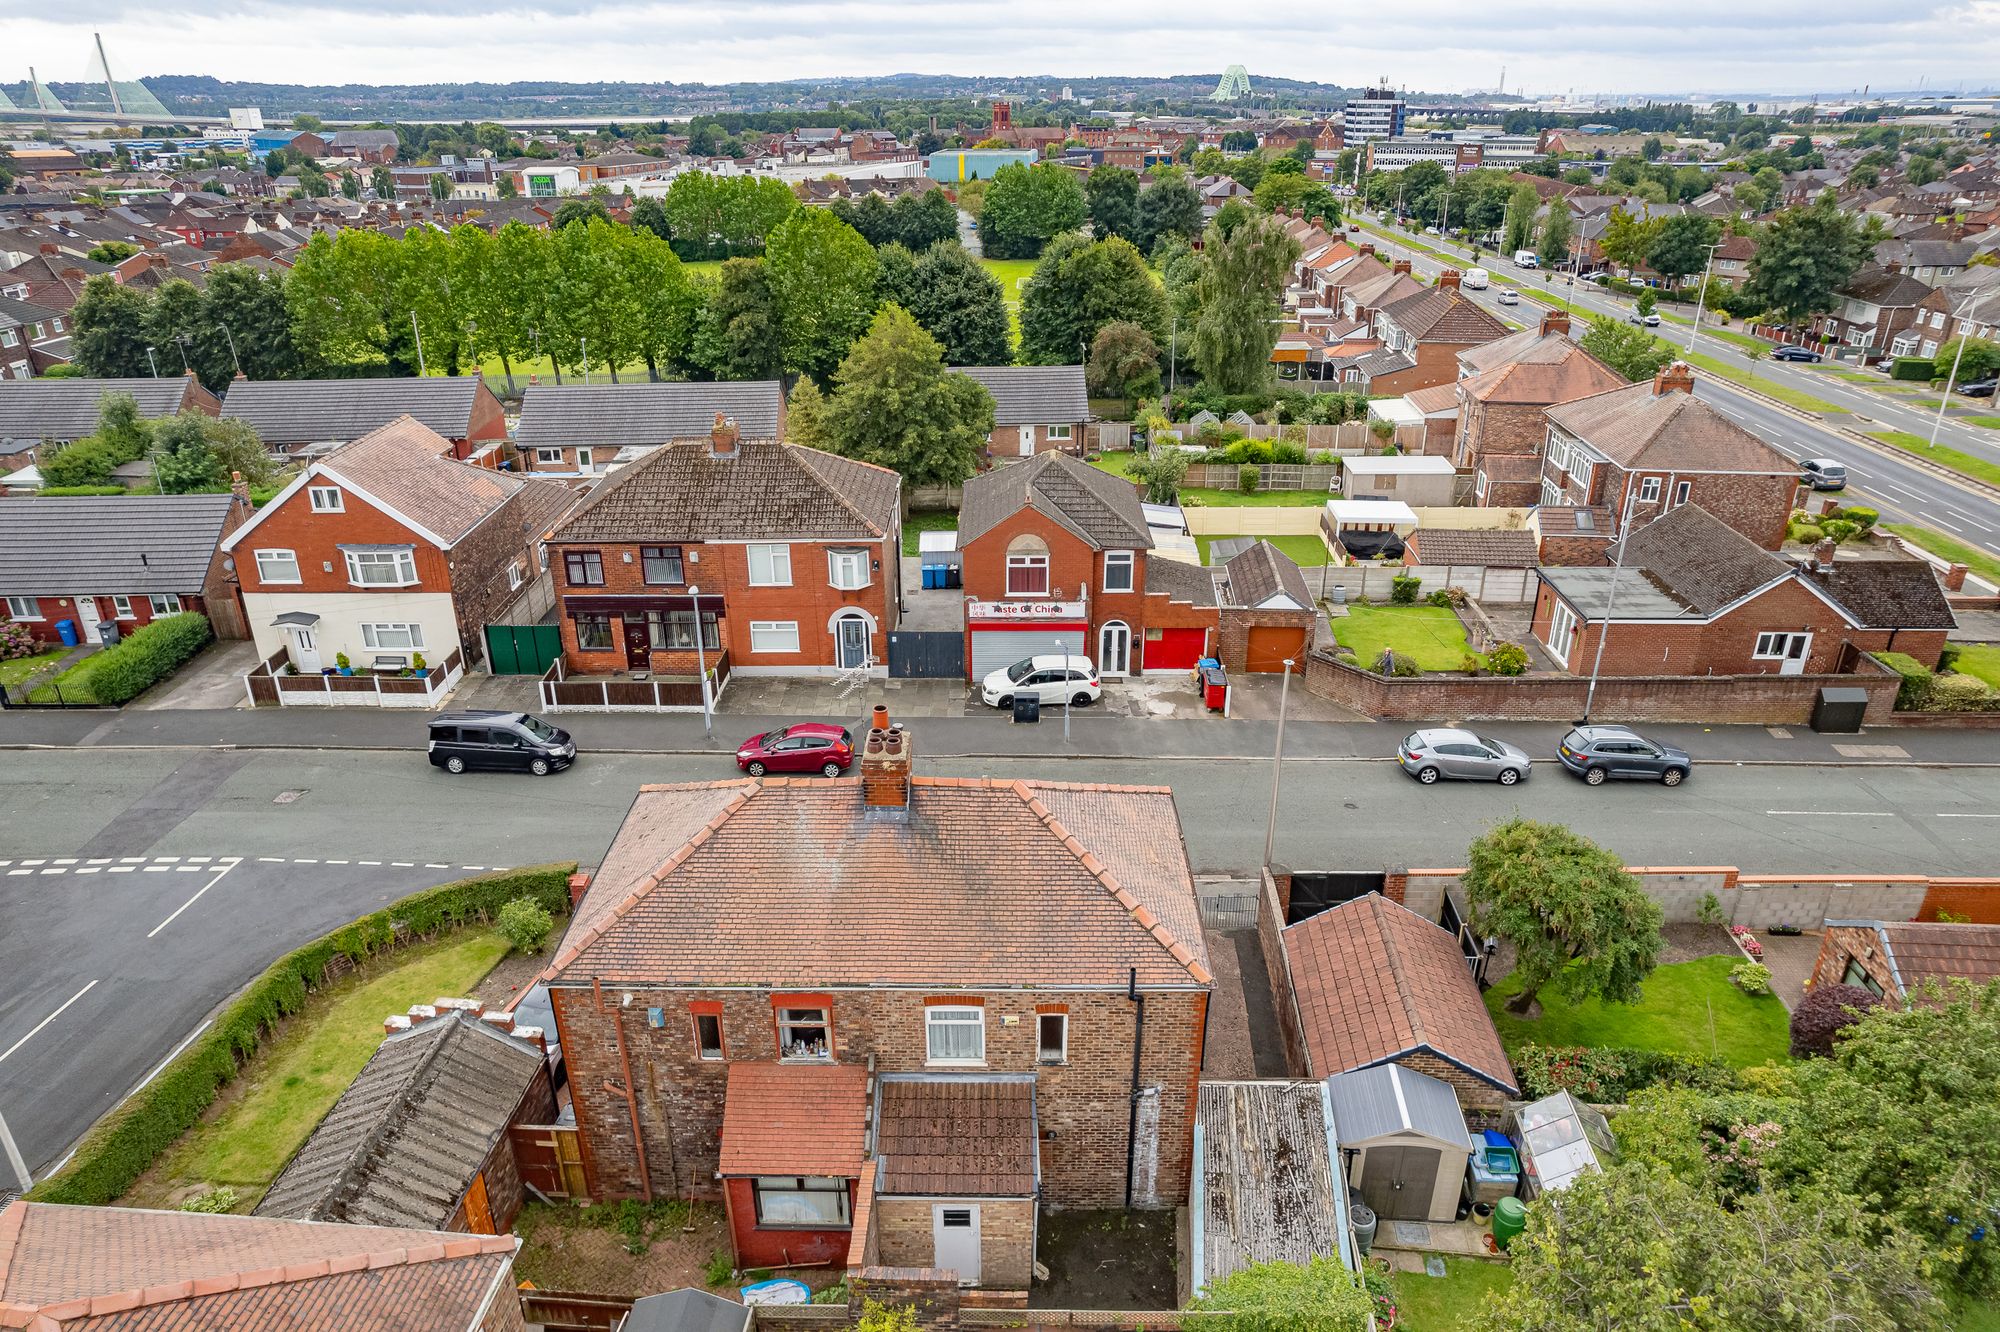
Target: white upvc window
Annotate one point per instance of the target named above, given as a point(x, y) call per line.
point(517, 574)
point(381, 568)
point(550, 457)
point(1649, 490)
point(955, 1034)
point(770, 565)
point(9, 338)
point(278, 566)
point(165, 603)
point(1562, 630)
point(121, 608)
point(1118, 570)
point(1682, 489)
point(393, 637)
point(774, 635)
point(326, 499)
point(23, 608)
point(1027, 575)
point(1061, 432)
point(847, 569)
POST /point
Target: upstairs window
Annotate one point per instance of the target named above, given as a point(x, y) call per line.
point(770, 565)
point(277, 566)
point(662, 564)
point(805, 1033)
point(1027, 575)
point(1118, 570)
point(955, 1034)
point(847, 569)
point(325, 499)
point(1052, 1038)
point(584, 568)
point(381, 568)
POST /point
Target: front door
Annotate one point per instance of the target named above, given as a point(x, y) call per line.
point(1796, 651)
point(1027, 441)
point(1114, 649)
point(638, 644)
point(86, 618)
point(851, 635)
point(305, 649)
point(955, 1240)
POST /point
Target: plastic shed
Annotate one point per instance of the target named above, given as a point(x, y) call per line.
point(1560, 1139)
point(1402, 1141)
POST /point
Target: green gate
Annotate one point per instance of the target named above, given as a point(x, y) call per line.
point(522, 649)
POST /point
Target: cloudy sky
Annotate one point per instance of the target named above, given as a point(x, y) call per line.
point(1547, 46)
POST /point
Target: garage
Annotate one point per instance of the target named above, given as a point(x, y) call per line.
point(1404, 1139)
point(995, 647)
point(1271, 645)
point(1175, 649)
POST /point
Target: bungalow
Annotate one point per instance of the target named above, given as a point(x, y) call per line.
point(312, 416)
point(1894, 959)
point(581, 430)
point(57, 411)
point(1035, 408)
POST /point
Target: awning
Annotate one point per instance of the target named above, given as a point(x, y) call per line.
point(296, 620)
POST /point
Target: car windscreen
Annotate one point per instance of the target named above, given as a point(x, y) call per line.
point(538, 728)
point(1020, 670)
point(1492, 745)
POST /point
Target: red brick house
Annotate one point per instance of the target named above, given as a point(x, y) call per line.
point(1893, 958)
point(1645, 449)
point(796, 554)
point(1689, 595)
point(1035, 408)
point(763, 971)
point(1503, 391)
point(1422, 335)
point(307, 416)
point(582, 430)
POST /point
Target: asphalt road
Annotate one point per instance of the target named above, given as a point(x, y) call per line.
point(139, 894)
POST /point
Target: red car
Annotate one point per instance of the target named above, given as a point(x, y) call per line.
point(807, 747)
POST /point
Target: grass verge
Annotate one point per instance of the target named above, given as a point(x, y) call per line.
point(1965, 464)
point(1984, 422)
point(1452, 1302)
point(1981, 660)
point(285, 1091)
point(1308, 552)
point(1686, 1008)
point(1791, 397)
point(1431, 636)
point(1949, 548)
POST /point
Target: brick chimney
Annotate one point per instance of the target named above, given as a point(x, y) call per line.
point(1555, 321)
point(886, 758)
point(1448, 280)
point(1674, 377)
point(1400, 266)
point(722, 437)
point(1367, 248)
point(1954, 578)
point(1823, 555)
point(239, 488)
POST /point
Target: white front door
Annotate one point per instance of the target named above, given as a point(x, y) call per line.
point(955, 1240)
point(1796, 651)
point(305, 649)
point(1114, 649)
point(86, 617)
point(1027, 441)
point(851, 635)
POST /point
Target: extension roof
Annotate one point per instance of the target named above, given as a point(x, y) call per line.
point(1919, 951)
point(60, 410)
point(765, 491)
point(1546, 370)
point(1441, 314)
point(1884, 594)
point(124, 544)
point(1033, 394)
point(795, 1119)
point(957, 1137)
point(636, 415)
point(1093, 505)
point(1263, 573)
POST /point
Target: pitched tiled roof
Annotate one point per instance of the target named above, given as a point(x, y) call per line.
point(116, 1269)
point(1574, 520)
point(286, 412)
point(402, 464)
point(1437, 400)
point(1700, 559)
point(1262, 572)
point(1374, 981)
point(1032, 394)
point(636, 415)
point(1885, 594)
point(1636, 428)
point(784, 492)
point(1921, 951)
point(1550, 369)
point(1180, 581)
point(61, 410)
point(402, 1144)
point(1091, 504)
point(1879, 286)
point(1441, 314)
point(69, 545)
point(1493, 549)
point(957, 1137)
point(986, 882)
point(795, 1119)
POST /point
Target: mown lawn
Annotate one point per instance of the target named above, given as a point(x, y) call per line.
point(927, 520)
point(20, 668)
point(1452, 1302)
point(1981, 660)
point(1308, 552)
point(1949, 548)
point(294, 1080)
point(1984, 422)
point(1431, 636)
point(1919, 446)
point(1204, 497)
point(1686, 1008)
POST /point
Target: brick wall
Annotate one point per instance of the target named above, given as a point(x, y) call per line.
point(480, 565)
point(779, 1246)
point(1006, 1237)
point(489, 418)
point(931, 1293)
point(1471, 1091)
point(504, 1191)
point(1978, 900)
point(1083, 1105)
point(504, 1314)
point(316, 538)
point(1510, 429)
point(1436, 363)
point(1271, 942)
point(1841, 944)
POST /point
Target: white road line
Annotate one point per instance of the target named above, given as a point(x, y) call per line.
point(299, 860)
point(55, 869)
point(19, 871)
point(105, 860)
point(191, 869)
point(34, 862)
point(272, 860)
point(158, 869)
point(70, 860)
point(1837, 813)
point(199, 860)
point(472, 867)
point(437, 867)
point(403, 864)
point(190, 902)
point(157, 1068)
point(1969, 816)
point(123, 869)
point(45, 1021)
point(132, 860)
point(336, 862)
point(168, 860)
point(6, 862)
point(90, 869)
point(367, 862)
point(229, 860)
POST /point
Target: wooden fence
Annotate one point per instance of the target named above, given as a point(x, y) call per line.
point(604, 693)
point(1270, 476)
point(267, 683)
point(1373, 582)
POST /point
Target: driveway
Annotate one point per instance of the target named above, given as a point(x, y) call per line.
point(214, 679)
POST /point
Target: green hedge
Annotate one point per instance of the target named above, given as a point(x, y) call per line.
point(1611, 1073)
point(141, 660)
point(126, 1142)
point(1913, 367)
point(1918, 679)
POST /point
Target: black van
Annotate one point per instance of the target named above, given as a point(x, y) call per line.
point(508, 741)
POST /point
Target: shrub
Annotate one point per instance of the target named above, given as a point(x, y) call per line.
point(1318, 1296)
point(1806, 533)
point(721, 1267)
point(1913, 367)
point(120, 674)
point(122, 1145)
point(1751, 977)
point(63, 491)
point(1918, 684)
point(1285, 451)
point(1962, 693)
point(1507, 659)
point(1347, 658)
point(1403, 667)
point(1947, 658)
point(1247, 478)
point(1709, 910)
point(525, 923)
point(1403, 589)
point(1839, 528)
point(221, 1198)
point(884, 1318)
point(1859, 514)
point(1469, 664)
point(1381, 430)
point(1824, 1014)
point(1447, 597)
point(1612, 1073)
point(16, 641)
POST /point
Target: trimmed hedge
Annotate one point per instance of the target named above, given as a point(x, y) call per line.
point(1918, 680)
point(126, 1142)
point(141, 660)
point(1913, 367)
point(1611, 1073)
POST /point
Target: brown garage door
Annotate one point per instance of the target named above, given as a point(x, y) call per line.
point(1270, 645)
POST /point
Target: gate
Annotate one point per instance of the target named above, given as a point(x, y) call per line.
point(938, 655)
point(522, 649)
point(550, 1159)
point(1314, 893)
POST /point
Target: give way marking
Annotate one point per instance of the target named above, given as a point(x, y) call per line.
point(217, 878)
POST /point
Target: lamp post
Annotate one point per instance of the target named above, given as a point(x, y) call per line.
point(224, 330)
point(181, 341)
point(1277, 764)
point(1944, 398)
point(1062, 655)
point(1701, 295)
point(150, 361)
point(1611, 596)
point(584, 345)
point(421, 368)
point(701, 663)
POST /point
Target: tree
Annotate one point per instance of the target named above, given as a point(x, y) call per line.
point(350, 185)
point(1553, 246)
point(1626, 348)
point(507, 189)
point(1627, 238)
point(1922, 171)
point(972, 198)
point(112, 252)
point(649, 214)
point(1124, 363)
point(1241, 292)
point(923, 219)
point(594, 313)
point(1578, 175)
point(251, 306)
point(1680, 247)
point(896, 405)
point(1160, 471)
point(738, 336)
point(1826, 1012)
point(1168, 207)
point(1079, 286)
point(806, 417)
point(1581, 926)
point(178, 324)
point(440, 186)
point(1027, 207)
point(1805, 255)
point(1522, 205)
point(896, 275)
point(870, 215)
point(822, 277)
point(1652, 149)
point(1113, 196)
point(121, 436)
point(1865, 176)
point(1981, 360)
point(382, 182)
point(665, 305)
point(1289, 192)
point(583, 209)
point(960, 303)
point(182, 461)
point(307, 124)
point(1320, 1295)
point(109, 326)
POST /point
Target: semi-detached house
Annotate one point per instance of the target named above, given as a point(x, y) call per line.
point(310, 416)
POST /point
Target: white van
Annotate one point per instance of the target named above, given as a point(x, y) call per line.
point(1475, 279)
point(1526, 259)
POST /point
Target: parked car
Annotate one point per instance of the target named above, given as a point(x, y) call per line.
point(1527, 259)
point(1979, 388)
point(1598, 753)
point(1071, 680)
point(1508, 296)
point(1649, 320)
point(499, 741)
point(1475, 279)
point(1806, 354)
point(1462, 755)
point(807, 747)
point(1823, 473)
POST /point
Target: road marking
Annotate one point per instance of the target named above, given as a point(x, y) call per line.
point(34, 862)
point(45, 1021)
point(55, 869)
point(367, 862)
point(336, 862)
point(190, 869)
point(219, 875)
point(168, 860)
point(272, 860)
point(297, 861)
point(1835, 813)
point(106, 860)
point(1969, 816)
point(123, 869)
point(90, 869)
point(161, 1066)
point(132, 860)
point(19, 871)
point(70, 860)
point(199, 860)
point(403, 864)
point(437, 867)
point(472, 867)
point(158, 869)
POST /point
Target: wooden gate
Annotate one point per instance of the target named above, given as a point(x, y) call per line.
point(937, 655)
point(1315, 892)
point(550, 1159)
point(522, 649)
point(479, 1208)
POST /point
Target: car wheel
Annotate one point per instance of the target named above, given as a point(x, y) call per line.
point(454, 765)
point(1593, 776)
point(830, 769)
point(1508, 776)
point(1081, 701)
point(1428, 776)
point(1672, 776)
point(540, 767)
point(1006, 703)
point(755, 769)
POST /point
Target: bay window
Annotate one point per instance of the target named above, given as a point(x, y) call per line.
point(848, 569)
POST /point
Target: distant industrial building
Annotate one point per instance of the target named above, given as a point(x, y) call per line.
point(975, 164)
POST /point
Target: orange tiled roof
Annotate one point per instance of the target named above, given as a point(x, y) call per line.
point(795, 1119)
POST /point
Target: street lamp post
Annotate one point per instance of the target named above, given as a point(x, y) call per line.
point(701, 663)
point(1701, 295)
point(224, 330)
point(1277, 764)
point(1944, 398)
point(150, 361)
point(1062, 654)
point(181, 341)
point(584, 345)
point(1611, 596)
point(421, 368)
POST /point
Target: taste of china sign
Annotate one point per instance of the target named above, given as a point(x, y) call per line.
point(1028, 611)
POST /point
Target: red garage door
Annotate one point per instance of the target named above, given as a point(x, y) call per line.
point(1174, 649)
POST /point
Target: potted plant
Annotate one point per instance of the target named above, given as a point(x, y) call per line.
point(342, 664)
point(417, 666)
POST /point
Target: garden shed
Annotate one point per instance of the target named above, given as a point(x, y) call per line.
point(1562, 1137)
point(1402, 1141)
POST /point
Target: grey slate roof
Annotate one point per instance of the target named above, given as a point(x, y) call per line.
point(1179, 581)
point(61, 410)
point(1469, 546)
point(109, 544)
point(1885, 594)
point(1701, 559)
point(402, 1144)
point(1093, 505)
point(1366, 1105)
point(1033, 394)
point(288, 412)
point(768, 491)
point(568, 415)
point(686, 1310)
point(1263, 571)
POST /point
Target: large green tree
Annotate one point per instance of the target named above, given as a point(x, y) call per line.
point(1628, 237)
point(595, 311)
point(122, 436)
point(177, 323)
point(1124, 363)
point(1552, 247)
point(1170, 206)
point(1804, 256)
point(1980, 361)
point(1241, 292)
point(960, 303)
point(1627, 348)
point(1581, 926)
point(109, 328)
point(193, 451)
point(738, 335)
point(251, 306)
point(1680, 249)
point(342, 292)
point(1113, 195)
point(1292, 192)
point(895, 404)
point(665, 304)
point(1079, 286)
point(1029, 206)
point(822, 275)
point(923, 219)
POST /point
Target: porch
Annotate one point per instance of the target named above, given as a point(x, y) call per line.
point(277, 680)
point(634, 691)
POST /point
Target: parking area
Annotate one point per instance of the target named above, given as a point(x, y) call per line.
point(214, 679)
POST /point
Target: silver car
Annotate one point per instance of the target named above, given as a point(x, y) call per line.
point(1462, 756)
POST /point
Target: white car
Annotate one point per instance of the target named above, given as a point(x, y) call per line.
point(1508, 296)
point(1071, 680)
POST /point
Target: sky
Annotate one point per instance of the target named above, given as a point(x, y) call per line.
point(1546, 46)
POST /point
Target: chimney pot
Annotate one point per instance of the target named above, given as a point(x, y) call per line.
point(1823, 555)
point(1400, 266)
point(1674, 377)
point(886, 759)
point(722, 437)
point(880, 719)
point(1449, 279)
point(1556, 321)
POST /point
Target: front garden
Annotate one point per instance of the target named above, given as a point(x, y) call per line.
point(1965, 680)
point(1431, 637)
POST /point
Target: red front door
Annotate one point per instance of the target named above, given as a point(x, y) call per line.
point(638, 645)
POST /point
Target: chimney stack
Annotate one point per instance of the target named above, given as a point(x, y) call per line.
point(1367, 248)
point(1400, 266)
point(1823, 555)
point(886, 759)
point(1448, 280)
point(1555, 321)
point(722, 437)
point(1674, 377)
point(239, 488)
